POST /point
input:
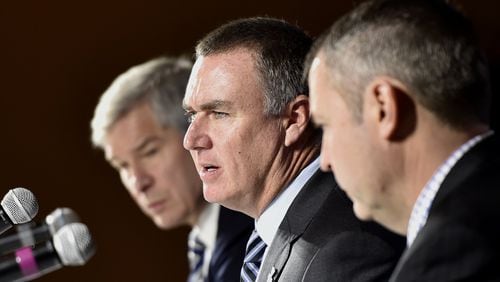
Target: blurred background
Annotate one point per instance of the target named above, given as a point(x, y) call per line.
point(57, 57)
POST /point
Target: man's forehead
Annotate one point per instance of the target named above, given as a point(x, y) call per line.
point(318, 67)
point(317, 61)
point(320, 75)
point(228, 72)
point(116, 151)
point(320, 84)
point(315, 77)
point(193, 82)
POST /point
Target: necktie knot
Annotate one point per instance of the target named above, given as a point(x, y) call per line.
point(253, 257)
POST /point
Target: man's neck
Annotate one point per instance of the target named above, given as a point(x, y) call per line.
point(195, 215)
point(427, 151)
point(283, 172)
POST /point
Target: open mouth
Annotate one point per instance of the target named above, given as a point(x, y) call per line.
point(209, 168)
point(209, 172)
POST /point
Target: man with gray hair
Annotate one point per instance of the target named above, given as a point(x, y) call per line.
point(140, 124)
point(401, 91)
point(257, 152)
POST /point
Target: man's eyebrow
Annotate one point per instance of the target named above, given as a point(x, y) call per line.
point(215, 104)
point(210, 106)
point(186, 107)
point(145, 143)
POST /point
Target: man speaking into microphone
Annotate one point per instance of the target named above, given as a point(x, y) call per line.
point(257, 152)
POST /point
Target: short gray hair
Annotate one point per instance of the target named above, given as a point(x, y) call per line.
point(426, 44)
point(160, 82)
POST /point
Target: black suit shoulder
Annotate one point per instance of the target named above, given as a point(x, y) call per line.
point(321, 239)
point(460, 241)
point(234, 229)
point(350, 249)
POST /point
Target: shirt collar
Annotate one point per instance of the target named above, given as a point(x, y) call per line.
point(267, 224)
point(422, 205)
point(206, 227)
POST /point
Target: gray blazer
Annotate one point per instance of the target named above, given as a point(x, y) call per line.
point(320, 239)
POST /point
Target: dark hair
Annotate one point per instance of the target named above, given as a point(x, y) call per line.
point(279, 48)
point(426, 44)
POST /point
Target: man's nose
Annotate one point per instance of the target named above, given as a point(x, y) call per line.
point(197, 137)
point(139, 179)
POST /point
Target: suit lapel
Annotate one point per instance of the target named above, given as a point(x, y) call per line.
point(465, 168)
point(277, 256)
point(298, 217)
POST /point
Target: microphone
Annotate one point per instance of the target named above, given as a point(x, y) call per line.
point(72, 245)
point(28, 235)
point(18, 206)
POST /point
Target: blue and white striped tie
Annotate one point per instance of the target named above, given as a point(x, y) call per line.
point(196, 253)
point(253, 258)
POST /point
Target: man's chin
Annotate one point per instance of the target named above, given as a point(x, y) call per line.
point(229, 201)
point(210, 194)
point(165, 224)
point(362, 212)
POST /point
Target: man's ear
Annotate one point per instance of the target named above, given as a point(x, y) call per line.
point(391, 108)
point(297, 118)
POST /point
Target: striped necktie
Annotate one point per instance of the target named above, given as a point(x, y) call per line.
point(196, 251)
point(253, 258)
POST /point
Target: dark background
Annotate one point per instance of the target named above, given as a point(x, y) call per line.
point(57, 57)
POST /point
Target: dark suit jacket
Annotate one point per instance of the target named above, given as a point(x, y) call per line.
point(232, 236)
point(461, 239)
point(320, 239)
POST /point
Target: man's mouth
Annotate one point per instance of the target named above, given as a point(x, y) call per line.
point(208, 172)
point(209, 168)
point(157, 206)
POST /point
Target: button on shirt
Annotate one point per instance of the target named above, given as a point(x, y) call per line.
point(268, 223)
point(422, 205)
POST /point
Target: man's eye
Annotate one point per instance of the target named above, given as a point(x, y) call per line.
point(220, 115)
point(150, 152)
point(190, 116)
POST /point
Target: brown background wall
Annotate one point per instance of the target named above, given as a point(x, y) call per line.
point(56, 59)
